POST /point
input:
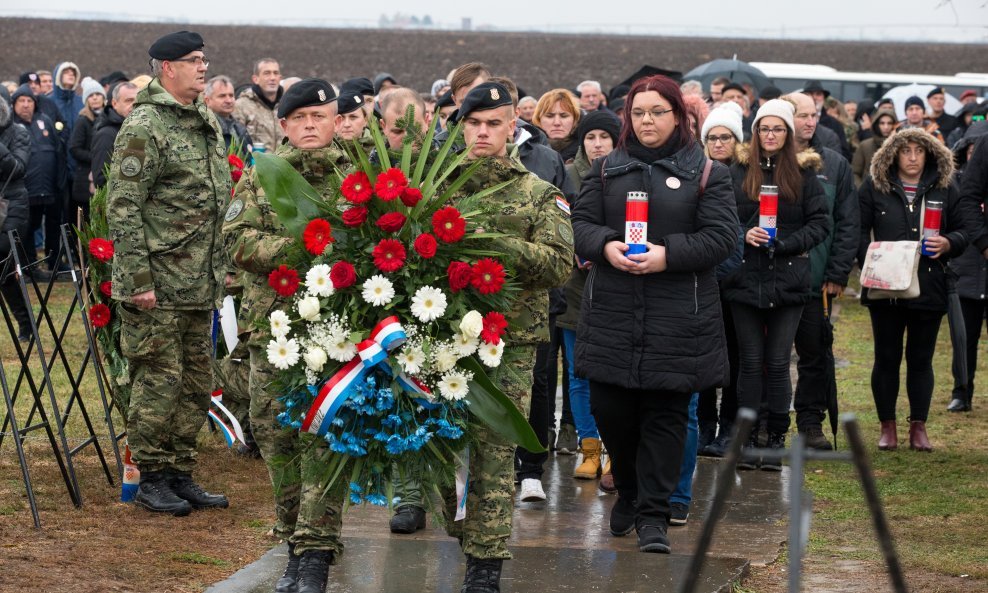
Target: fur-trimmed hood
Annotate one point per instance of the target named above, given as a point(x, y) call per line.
point(939, 159)
point(4, 114)
point(57, 76)
point(807, 159)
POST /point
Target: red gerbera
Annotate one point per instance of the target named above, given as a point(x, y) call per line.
point(106, 288)
point(391, 222)
point(411, 196)
point(317, 236)
point(389, 255)
point(235, 161)
point(284, 281)
point(356, 188)
point(425, 245)
point(494, 326)
point(459, 274)
point(342, 275)
point(99, 315)
point(448, 224)
point(487, 276)
point(236, 174)
point(354, 216)
point(390, 184)
point(101, 249)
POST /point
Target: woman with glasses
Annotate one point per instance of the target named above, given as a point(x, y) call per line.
point(650, 331)
point(768, 292)
point(557, 114)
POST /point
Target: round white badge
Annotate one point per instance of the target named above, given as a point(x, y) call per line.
point(673, 183)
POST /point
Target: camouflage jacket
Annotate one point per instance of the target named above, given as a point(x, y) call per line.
point(257, 242)
point(539, 245)
point(260, 120)
point(169, 180)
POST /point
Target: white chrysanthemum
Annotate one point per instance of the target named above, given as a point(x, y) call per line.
point(340, 349)
point(378, 290)
point(472, 324)
point(317, 282)
point(308, 308)
point(454, 386)
point(428, 304)
point(490, 354)
point(315, 358)
point(411, 359)
point(282, 353)
point(465, 345)
point(444, 358)
point(280, 324)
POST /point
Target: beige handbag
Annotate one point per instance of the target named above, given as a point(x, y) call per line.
point(891, 270)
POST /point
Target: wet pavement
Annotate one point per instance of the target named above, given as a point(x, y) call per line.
point(560, 545)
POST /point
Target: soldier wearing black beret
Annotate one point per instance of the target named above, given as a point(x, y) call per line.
point(175, 45)
point(306, 93)
point(351, 118)
point(484, 96)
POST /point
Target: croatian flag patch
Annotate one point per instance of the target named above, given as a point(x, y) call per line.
point(562, 204)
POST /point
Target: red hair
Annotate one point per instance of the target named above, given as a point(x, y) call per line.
point(697, 110)
point(669, 90)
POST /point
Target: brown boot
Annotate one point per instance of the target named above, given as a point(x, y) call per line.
point(918, 441)
point(889, 441)
point(590, 468)
point(607, 479)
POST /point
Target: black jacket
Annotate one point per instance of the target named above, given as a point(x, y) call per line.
point(46, 168)
point(661, 331)
point(104, 133)
point(834, 125)
point(887, 215)
point(974, 189)
point(15, 151)
point(535, 153)
point(779, 275)
point(832, 260)
point(79, 145)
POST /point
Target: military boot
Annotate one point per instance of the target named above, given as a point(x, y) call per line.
point(815, 439)
point(483, 575)
point(313, 571)
point(287, 583)
point(185, 488)
point(590, 468)
point(155, 494)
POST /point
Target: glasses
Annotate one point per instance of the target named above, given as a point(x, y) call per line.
point(723, 139)
point(654, 113)
point(772, 131)
point(195, 60)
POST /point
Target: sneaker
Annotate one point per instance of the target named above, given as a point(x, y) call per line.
point(622, 517)
point(567, 443)
point(678, 513)
point(815, 439)
point(652, 538)
point(531, 490)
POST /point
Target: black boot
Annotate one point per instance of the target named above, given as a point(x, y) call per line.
point(483, 576)
point(718, 448)
point(815, 439)
point(408, 519)
point(313, 571)
point(155, 494)
point(708, 432)
point(749, 459)
point(185, 488)
point(776, 442)
point(287, 583)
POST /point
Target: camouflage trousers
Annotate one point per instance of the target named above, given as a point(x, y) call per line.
point(485, 530)
point(169, 356)
point(309, 517)
point(232, 375)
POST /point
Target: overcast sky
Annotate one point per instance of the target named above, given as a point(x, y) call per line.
point(941, 20)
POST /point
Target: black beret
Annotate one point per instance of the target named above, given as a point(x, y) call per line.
point(937, 90)
point(445, 100)
point(349, 101)
point(362, 86)
point(914, 100)
point(484, 96)
point(176, 45)
point(733, 85)
point(28, 77)
point(306, 93)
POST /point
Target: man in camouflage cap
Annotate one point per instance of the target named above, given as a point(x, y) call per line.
point(257, 243)
point(539, 246)
point(168, 182)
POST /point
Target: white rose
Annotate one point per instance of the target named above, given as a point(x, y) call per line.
point(315, 358)
point(472, 324)
point(308, 308)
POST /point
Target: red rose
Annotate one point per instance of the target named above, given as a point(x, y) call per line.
point(101, 250)
point(317, 236)
point(448, 224)
point(390, 184)
point(411, 196)
point(354, 216)
point(99, 315)
point(284, 281)
point(235, 162)
point(494, 326)
point(425, 245)
point(342, 275)
point(356, 188)
point(106, 288)
point(389, 255)
point(459, 274)
point(488, 276)
point(391, 222)
point(236, 174)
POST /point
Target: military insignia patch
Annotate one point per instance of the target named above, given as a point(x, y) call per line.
point(495, 95)
point(322, 95)
point(219, 150)
point(130, 166)
point(236, 207)
point(566, 232)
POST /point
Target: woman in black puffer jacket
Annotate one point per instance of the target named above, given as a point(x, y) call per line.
point(651, 332)
point(768, 292)
point(15, 149)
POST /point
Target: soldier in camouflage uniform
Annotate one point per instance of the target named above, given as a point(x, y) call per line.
point(168, 181)
point(539, 247)
point(257, 243)
point(256, 108)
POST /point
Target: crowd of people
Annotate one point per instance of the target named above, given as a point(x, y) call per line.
point(659, 343)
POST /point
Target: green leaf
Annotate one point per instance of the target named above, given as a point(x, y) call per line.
point(291, 196)
point(423, 156)
point(428, 184)
point(380, 144)
point(496, 410)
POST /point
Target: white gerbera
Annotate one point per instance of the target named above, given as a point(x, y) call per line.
point(378, 290)
point(411, 359)
point(465, 345)
point(454, 386)
point(490, 354)
point(472, 324)
point(315, 358)
point(317, 282)
point(308, 308)
point(340, 349)
point(280, 324)
point(282, 353)
point(428, 304)
point(444, 357)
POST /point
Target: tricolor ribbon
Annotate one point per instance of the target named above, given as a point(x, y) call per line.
point(230, 427)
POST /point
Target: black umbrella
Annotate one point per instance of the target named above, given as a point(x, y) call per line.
point(828, 350)
point(734, 69)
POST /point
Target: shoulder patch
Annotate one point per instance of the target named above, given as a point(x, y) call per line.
point(562, 204)
point(565, 231)
point(234, 210)
point(130, 166)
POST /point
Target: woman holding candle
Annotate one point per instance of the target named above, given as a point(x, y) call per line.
point(651, 332)
point(911, 179)
point(783, 210)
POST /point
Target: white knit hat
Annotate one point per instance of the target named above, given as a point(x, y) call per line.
point(781, 109)
point(91, 87)
point(728, 115)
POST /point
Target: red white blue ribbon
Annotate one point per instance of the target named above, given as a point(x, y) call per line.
point(227, 423)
